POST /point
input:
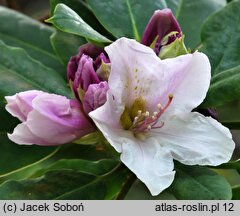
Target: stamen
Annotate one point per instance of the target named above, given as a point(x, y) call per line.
point(135, 120)
point(143, 121)
point(170, 98)
point(159, 106)
point(139, 113)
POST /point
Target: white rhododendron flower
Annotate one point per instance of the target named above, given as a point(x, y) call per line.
point(147, 116)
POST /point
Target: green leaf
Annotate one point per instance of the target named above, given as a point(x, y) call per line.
point(138, 12)
point(229, 165)
point(139, 191)
point(125, 18)
point(69, 151)
point(19, 30)
point(7, 122)
point(67, 20)
point(97, 167)
point(221, 43)
point(173, 5)
point(224, 88)
point(74, 184)
point(66, 45)
point(20, 72)
point(194, 182)
point(19, 156)
point(191, 15)
point(236, 192)
point(220, 38)
point(83, 10)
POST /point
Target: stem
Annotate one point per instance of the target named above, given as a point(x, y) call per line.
point(126, 187)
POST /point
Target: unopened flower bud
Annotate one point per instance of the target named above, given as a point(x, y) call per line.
point(95, 96)
point(161, 24)
point(82, 68)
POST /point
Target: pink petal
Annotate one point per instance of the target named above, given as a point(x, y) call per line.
point(20, 104)
point(54, 120)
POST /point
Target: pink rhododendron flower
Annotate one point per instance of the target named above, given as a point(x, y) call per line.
point(47, 119)
point(147, 116)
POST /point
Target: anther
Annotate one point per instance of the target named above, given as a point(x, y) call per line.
point(170, 96)
point(159, 106)
point(139, 112)
point(147, 114)
point(149, 127)
point(155, 114)
point(136, 119)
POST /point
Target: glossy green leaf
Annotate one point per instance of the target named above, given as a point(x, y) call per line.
point(173, 5)
point(14, 157)
point(69, 21)
point(19, 30)
point(74, 184)
point(220, 38)
point(191, 15)
point(229, 165)
point(139, 191)
point(221, 42)
point(69, 151)
point(84, 11)
point(66, 45)
point(20, 72)
point(97, 167)
point(194, 182)
point(224, 88)
point(7, 122)
point(138, 12)
point(125, 17)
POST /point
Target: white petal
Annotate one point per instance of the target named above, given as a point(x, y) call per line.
point(189, 85)
point(136, 71)
point(151, 163)
point(107, 118)
point(133, 70)
point(195, 139)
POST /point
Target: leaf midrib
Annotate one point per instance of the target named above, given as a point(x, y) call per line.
point(98, 178)
point(133, 22)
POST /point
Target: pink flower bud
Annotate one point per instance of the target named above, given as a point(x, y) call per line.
point(161, 24)
point(82, 68)
point(95, 96)
point(20, 104)
point(49, 119)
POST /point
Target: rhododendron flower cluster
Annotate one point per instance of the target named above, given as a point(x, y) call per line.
point(140, 96)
